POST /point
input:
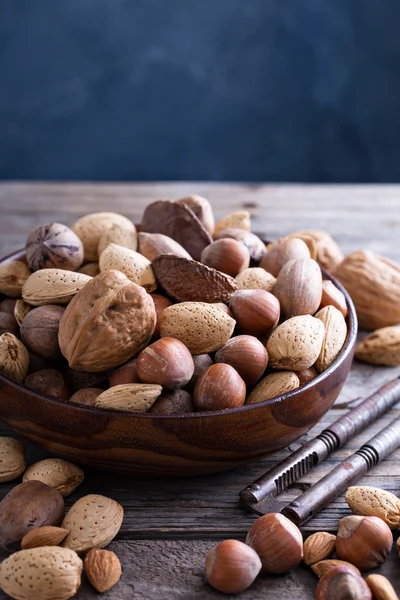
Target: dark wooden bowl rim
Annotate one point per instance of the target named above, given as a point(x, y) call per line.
point(347, 348)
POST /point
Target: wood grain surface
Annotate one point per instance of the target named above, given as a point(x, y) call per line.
point(170, 525)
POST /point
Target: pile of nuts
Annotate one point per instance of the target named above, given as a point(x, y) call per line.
point(275, 545)
point(179, 314)
point(46, 544)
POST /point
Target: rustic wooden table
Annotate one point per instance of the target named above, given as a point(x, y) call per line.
point(170, 525)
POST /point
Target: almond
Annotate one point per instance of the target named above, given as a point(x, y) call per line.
point(322, 567)
point(381, 587)
point(374, 502)
point(43, 536)
point(13, 275)
point(152, 245)
point(255, 278)
point(132, 397)
point(178, 222)
point(12, 459)
point(296, 343)
point(120, 235)
point(57, 473)
point(21, 309)
point(334, 338)
point(53, 286)
point(48, 573)
point(103, 569)
point(200, 326)
point(238, 219)
point(202, 209)
point(382, 347)
point(273, 385)
point(373, 283)
point(255, 246)
point(299, 287)
point(93, 521)
point(329, 254)
point(281, 252)
point(190, 281)
point(132, 264)
point(14, 357)
point(318, 546)
point(91, 227)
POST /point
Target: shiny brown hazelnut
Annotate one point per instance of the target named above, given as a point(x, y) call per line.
point(277, 541)
point(342, 583)
point(160, 303)
point(86, 396)
point(173, 403)
point(54, 246)
point(256, 311)
point(307, 375)
point(166, 362)
point(125, 374)
point(331, 295)
point(232, 566)
point(48, 382)
point(281, 252)
point(201, 363)
point(253, 243)
point(219, 387)
point(78, 380)
point(226, 255)
point(363, 541)
point(247, 355)
point(39, 331)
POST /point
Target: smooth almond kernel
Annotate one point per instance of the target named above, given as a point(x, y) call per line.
point(334, 338)
point(238, 219)
point(43, 536)
point(299, 287)
point(12, 459)
point(255, 278)
point(47, 573)
point(132, 264)
point(130, 397)
point(57, 473)
point(322, 567)
point(374, 502)
point(53, 286)
point(91, 227)
point(103, 569)
point(381, 587)
point(318, 547)
point(296, 344)
point(273, 385)
point(382, 347)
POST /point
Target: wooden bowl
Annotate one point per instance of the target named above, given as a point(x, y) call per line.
point(174, 446)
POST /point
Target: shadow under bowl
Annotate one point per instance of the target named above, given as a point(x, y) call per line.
point(186, 445)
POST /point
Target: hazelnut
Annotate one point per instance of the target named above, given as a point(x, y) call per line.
point(8, 305)
point(54, 246)
point(283, 250)
point(8, 323)
point(219, 387)
point(170, 403)
point(307, 375)
point(256, 311)
point(166, 362)
point(160, 303)
point(226, 255)
point(48, 382)
point(39, 331)
point(86, 396)
point(232, 566)
point(224, 307)
point(341, 583)
point(247, 355)
point(252, 242)
point(277, 541)
point(201, 363)
point(125, 374)
point(332, 296)
point(78, 380)
point(363, 541)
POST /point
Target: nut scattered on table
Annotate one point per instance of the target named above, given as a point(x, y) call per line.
point(232, 566)
point(363, 541)
point(103, 569)
point(374, 502)
point(62, 475)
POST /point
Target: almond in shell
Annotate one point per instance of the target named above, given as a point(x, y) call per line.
point(91, 227)
point(136, 267)
point(273, 385)
point(152, 245)
point(255, 278)
point(57, 473)
point(296, 343)
point(382, 347)
point(130, 397)
point(12, 459)
point(118, 234)
point(200, 326)
point(238, 219)
point(14, 357)
point(21, 309)
point(13, 275)
point(103, 569)
point(374, 502)
point(334, 338)
point(93, 522)
point(53, 286)
point(43, 536)
point(299, 287)
point(190, 281)
point(47, 573)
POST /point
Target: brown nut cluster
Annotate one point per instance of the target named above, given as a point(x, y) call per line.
point(187, 303)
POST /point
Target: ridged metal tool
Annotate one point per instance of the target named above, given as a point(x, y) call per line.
point(261, 496)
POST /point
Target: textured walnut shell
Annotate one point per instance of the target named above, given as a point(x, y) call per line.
point(179, 223)
point(105, 325)
point(13, 275)
point(91, 227)
point(39, 331)
point(190, 281)
point(152, 245)
point(14, 357)
point(132, 264)
point(54, 246)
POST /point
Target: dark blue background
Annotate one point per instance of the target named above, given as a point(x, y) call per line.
point(291, 90)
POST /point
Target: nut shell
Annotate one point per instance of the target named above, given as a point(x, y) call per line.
point(273, 385)
point(226, 255)
point(48, 382)
point(238, 219)
point(107, 323)
point(8, 324)
point(329, 254)
point(125, 374)
point(12, 459)
point(255, 278)
point(232, 566)
point(152, 245)
point(13, 275)
point(296, 343)
point(39, 331)
point(53, 286)
point(14, 357)
point(54, 246)
point(173, 403)
point(281, 252)
point(256, 311)
point(86, 396)
point(21, 309)
point(160, 303)
point(381, 347)
point(201, 363)
point(363, 541)
point(166, 362)
point(91, 227)
point(374, 502)
point(118, 234)
point(247, 355)
point(341, 583)
point(252, 242)
point(57, 473)
point(130, 397)
point(334, 338)
point(219, 387)
point(299, 287)
point(202, 209)
point(132, 264)
point(332, 296)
